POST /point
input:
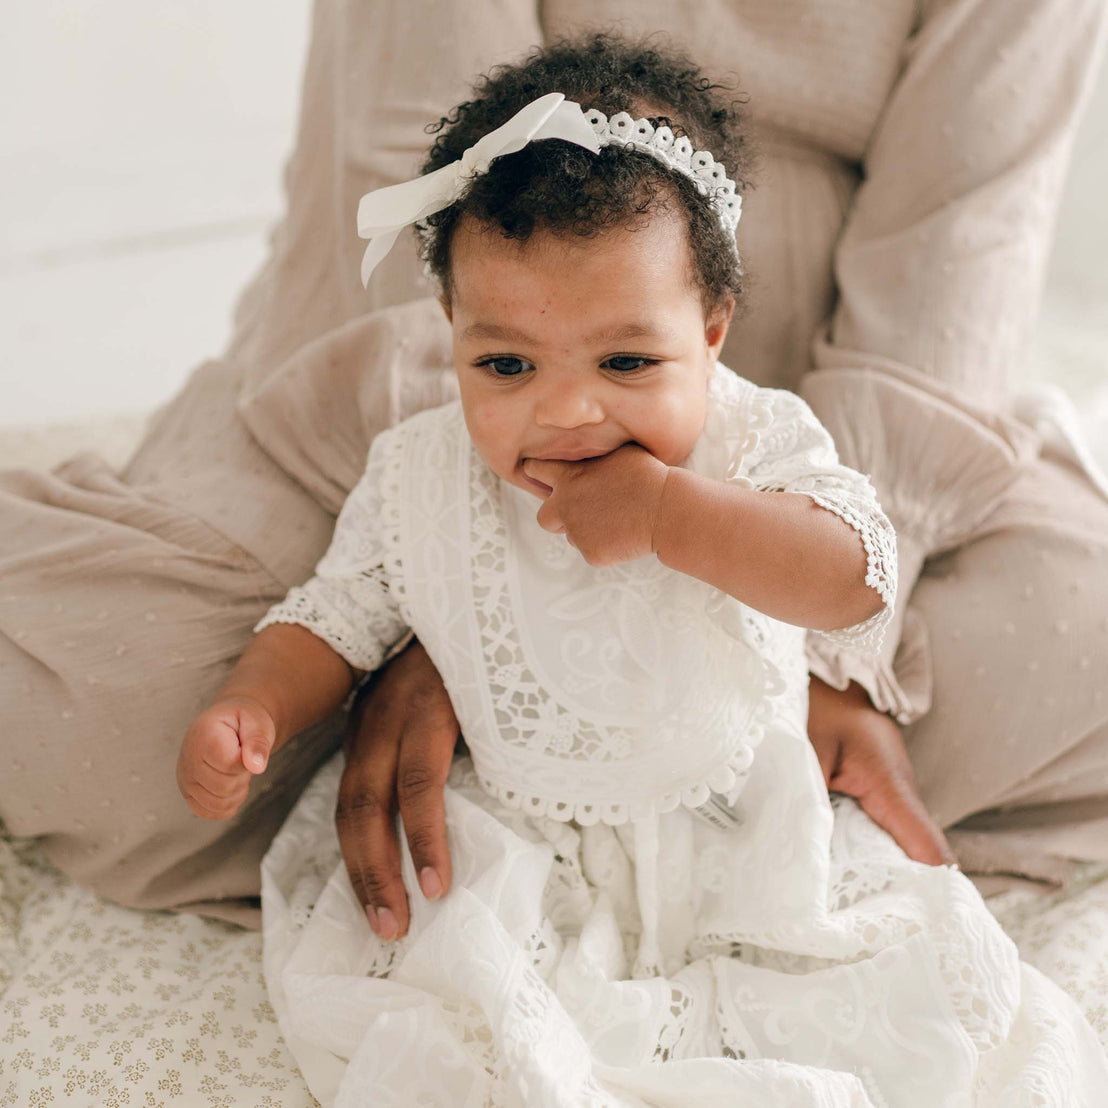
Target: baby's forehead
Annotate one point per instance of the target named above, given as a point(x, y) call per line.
point(644, 269)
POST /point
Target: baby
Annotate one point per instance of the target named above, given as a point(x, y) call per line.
point(613, 549)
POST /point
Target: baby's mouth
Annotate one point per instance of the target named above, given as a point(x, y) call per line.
point(576, 454)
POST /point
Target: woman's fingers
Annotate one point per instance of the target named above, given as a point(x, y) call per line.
point(873, 767)
point(425, 756)
point(828, 749)
point(365, 816)
point(399, 744)
point(861, 753)
point(896, 808)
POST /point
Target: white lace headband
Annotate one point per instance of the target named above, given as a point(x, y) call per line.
point(385, 212)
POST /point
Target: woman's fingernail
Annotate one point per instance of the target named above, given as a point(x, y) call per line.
point(386, 924)
point(430, 884)
point(258, 760)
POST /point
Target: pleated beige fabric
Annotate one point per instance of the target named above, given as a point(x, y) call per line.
point(912, 156)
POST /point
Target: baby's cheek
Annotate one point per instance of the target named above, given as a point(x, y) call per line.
point(496, 440)
point(677, 420)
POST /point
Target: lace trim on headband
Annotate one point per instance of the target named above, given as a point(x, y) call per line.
point(709, 176)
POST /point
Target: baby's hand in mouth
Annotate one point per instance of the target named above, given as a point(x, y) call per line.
point(606, 506)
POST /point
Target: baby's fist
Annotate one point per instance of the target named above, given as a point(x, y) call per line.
point(607, 507)
point(225, 745)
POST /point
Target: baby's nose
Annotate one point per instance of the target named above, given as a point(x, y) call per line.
point(566, 406)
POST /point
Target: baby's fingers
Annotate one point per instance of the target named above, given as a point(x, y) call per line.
point(211, 792)
point(550, 519)
point(546, 473)
point(210, 804)
point(257, 735)
point(210, 771)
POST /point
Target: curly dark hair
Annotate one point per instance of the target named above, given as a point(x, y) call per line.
point(561, 187)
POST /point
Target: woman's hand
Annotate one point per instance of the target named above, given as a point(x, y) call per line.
point(225, 746)
point(399, 744)
point(862, 754)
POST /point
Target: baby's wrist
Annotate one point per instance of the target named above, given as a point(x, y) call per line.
point(671, 515)
point(255, 700)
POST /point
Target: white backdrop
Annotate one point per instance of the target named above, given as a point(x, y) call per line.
point(141, 148)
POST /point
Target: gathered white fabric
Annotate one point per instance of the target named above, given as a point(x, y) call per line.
point(385, 212)
point(596, 926)
point(587, 694)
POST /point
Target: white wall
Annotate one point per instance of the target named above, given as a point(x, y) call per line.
point(1071, 342)
point(141, 148)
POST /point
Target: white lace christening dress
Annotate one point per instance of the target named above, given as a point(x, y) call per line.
point(653, 900)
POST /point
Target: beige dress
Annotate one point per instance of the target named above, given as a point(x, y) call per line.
point(912, 158)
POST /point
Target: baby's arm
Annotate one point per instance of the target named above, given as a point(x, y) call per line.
point(778, 552)
point(308, 652)
point(286, 680)
point(792, 533)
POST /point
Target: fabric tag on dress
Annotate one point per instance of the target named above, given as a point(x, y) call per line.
point(717, 812)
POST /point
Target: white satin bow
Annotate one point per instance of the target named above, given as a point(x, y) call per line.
point(384, 213)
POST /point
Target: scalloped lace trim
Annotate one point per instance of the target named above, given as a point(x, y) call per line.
point(726, 779)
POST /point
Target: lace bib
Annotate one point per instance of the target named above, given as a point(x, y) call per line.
point(583, 693)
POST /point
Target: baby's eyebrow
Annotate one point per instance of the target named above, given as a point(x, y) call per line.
point(495, 331)
point(625, 331)
point(618, 333)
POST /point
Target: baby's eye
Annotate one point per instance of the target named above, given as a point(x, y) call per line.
point(627, 363)
point(506, 366)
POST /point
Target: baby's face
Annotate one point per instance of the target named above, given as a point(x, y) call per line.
point(570, 347)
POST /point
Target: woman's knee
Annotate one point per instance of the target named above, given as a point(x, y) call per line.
point(1018, 627)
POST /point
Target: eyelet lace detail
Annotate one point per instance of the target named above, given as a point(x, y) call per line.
point(870, 995)
point(518, 731)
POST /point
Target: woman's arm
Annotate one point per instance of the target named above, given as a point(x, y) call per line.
point(939, 270)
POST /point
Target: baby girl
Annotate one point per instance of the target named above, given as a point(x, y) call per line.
point(614, 549)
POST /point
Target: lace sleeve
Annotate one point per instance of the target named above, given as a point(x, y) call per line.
point(793, 452)
point(348, 603)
